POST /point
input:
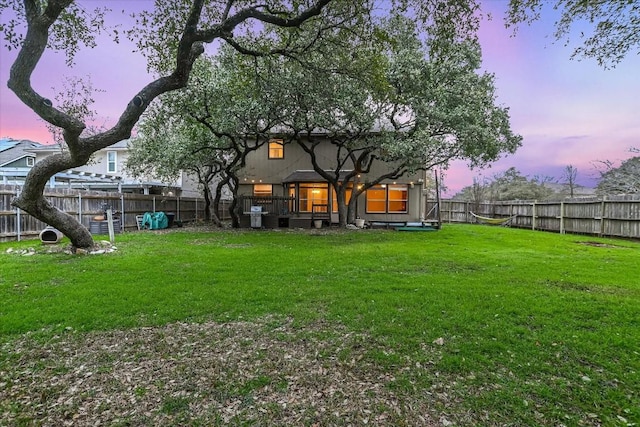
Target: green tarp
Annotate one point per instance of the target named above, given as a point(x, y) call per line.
point(154, 220)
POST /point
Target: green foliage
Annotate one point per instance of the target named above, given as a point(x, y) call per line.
point(179, 29)
point(76, 100)
point(369, 84)
point(74, 29)
point(537, 328)
point(510, 185)
point(625, 179)
point(614, 25)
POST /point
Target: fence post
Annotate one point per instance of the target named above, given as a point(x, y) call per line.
point(154, 204)
point(603, 208)
point(122, 214)
point(178, 213)
point(561, 217)
point(80, 208)
point(17, 194)
point(196, 210)
point(533, 215)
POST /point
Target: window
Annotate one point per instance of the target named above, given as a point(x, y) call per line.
point(31, 161)
point(397, 198)
point(377, 199)
point(262, 190)
point(387, 199)
point(276, 149)
point(312, 194)
point(112, 160)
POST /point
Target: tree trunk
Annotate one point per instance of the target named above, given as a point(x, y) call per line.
point(233, 209)
point(351, 210)
point(216, 207)
point(342, 206)
point(41, 209)
point(31, 199)
point(206, 194)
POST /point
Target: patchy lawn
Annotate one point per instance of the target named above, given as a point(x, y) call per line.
point(240, 373)
point(469, 325)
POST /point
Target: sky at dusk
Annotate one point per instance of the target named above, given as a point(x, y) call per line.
point(569, 112)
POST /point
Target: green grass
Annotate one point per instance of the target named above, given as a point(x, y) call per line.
point(538, 328)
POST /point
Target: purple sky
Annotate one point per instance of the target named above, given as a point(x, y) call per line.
point(568, 111)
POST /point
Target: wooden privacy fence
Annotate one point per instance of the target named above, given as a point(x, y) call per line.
point(611, 216)
point(16, 224)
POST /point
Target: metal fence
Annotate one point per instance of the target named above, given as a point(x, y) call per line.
point(611, 216)
point(15, 224)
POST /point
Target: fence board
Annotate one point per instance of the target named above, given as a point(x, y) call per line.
point(614, 216)
point(85, 205)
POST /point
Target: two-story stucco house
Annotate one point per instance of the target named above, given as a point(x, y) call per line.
point(106, 171)
point(279, 170)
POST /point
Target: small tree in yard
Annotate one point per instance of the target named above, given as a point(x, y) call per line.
point(172, 36)
point(209, 129)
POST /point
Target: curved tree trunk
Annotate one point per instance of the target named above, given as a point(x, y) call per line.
point(233, 209)
point(31, 199)
point(216, 206)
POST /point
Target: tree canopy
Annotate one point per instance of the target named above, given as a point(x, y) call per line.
point(452, 115)
point(172, 35)
point(625, 179)
point(614, 25)
point(371, 88)
point(509, 185)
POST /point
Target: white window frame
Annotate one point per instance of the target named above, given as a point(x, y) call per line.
point(31, 161)
point(111, 162)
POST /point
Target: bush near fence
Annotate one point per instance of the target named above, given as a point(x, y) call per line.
point(85, 205)
point(614, 216)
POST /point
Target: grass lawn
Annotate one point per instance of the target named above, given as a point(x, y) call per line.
point(470, 325)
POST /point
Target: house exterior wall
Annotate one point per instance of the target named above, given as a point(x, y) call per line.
point(19, 163)
point(185, 185)
point(261, 170)
point(15, 160)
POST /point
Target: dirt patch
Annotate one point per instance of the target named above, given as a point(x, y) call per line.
point(599, 245)
point(261, 373)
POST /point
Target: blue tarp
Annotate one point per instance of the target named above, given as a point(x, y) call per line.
point(154, 220)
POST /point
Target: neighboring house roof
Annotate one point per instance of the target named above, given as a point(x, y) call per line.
point(121, 145)
point(5, 144)
point(12, 150)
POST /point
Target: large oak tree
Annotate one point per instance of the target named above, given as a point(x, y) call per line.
point(387, 95)
point(382, 90)
point(172, 36)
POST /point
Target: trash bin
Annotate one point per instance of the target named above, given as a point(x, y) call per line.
point(170, 217)
point(256, 216)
